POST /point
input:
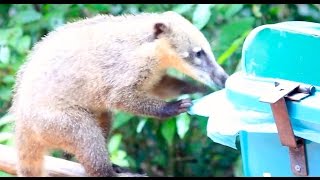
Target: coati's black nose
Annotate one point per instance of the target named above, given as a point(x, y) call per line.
point(223, 78)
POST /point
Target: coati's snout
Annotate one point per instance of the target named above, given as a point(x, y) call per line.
point(219, 76)
point(205, 68)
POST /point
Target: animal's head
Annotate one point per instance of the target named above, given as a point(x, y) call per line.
point(189, 51)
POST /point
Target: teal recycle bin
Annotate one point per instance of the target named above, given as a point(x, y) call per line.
point(273, 103)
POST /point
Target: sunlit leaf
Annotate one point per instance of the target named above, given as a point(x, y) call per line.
point(256, 10)
point(4, 136)
point(6, 119)
point(7, 128)
point(168, 130)
point(4, 174)
point(114, 143)
point(141, 124)
point(183, 124)
point(201, 15)
point(4, 54)
point(118, 158)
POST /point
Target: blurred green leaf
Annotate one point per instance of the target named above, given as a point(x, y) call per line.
point(201, 15)
point(175, 73)
point(202, 124)
point(114, 143)
point(98, 7)
point(7, 128)
point(6, 119)
point(55, 20)
point(118, 158)
point(232, 10)
point(256, 10)
point(24, 17)
point(235, 28)
point(4, 9)
point(62, 7)
point(3, 174)
point(8, 79)
point(57, 153)
point(234, 46)
point(182, 8)
point(4, 54)
point(121, 119)
point(141, 124)
point(238, 169)
point(5, 93)
point(159, 159)
point(24, 44)
point(183, 124)
point(168, 129)
point(10, 36)
point(5, 136)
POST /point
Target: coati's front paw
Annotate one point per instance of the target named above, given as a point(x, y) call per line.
point(175, 108)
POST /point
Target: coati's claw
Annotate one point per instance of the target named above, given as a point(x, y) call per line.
point(185, 103)
point(119, 169)
point(175, 108)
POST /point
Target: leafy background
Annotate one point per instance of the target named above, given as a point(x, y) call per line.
point(178, 146)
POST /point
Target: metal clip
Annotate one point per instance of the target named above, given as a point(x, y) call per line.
point(276, 99)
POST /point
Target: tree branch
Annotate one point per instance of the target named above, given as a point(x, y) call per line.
point(54, 167)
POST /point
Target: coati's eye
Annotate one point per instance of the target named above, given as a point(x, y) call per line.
point(198, 52)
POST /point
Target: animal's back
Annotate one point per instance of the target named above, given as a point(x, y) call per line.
point(78, 63)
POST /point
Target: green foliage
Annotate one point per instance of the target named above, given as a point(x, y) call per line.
point(168, 130)
point(178, 146)
point(183, 124)
point(201, 15)
point(6, 130)
point(117, 155)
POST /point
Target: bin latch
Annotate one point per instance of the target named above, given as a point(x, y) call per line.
point(276, 98)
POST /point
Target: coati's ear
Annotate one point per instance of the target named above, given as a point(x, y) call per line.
point(160, 28)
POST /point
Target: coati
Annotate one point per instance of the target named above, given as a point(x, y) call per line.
point(76, 75)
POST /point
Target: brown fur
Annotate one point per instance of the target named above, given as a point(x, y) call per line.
point(78, 73)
